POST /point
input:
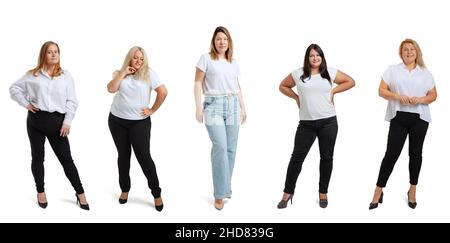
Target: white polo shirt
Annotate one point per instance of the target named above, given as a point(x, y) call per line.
point(221, 76)
point(133, 96)
point(416, 82)
point(47, 94)
point(315, 95)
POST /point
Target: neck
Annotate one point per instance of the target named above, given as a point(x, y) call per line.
point(314, 71)
point(222, 55)
point(49, 69)
point(410, 66)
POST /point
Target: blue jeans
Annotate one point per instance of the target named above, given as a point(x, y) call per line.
point(222, 117)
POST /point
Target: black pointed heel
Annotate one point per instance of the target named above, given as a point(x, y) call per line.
point(375, 205)
point(412, 205)
point(82, 206)
point(283, 203)
point(42, 205)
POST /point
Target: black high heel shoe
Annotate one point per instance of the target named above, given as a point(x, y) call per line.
point(412, 205)
point(375, 205)
point(123, 201)
point(283, 203)
point(42, 205)
point(323, 203)
point(82, 206)
point(159, 208)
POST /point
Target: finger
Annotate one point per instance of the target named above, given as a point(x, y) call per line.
point(61, 133)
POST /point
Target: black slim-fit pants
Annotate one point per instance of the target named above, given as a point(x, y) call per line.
point(41, 125)
point(136, 134)
point(402, 125)
point(326, 131)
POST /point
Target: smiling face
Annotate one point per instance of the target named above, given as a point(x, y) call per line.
point(221, 42)
point(314, 59)
point(52, 55)
point(409, 53)
point(137, 60)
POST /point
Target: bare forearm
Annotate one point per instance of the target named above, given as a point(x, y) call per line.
point(160, 97)
point(343, 87)
point(288, 92)
point(198, 94)
point(241, 100)
point(114, 84)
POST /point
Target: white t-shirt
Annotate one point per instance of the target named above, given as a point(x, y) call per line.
point(403, 82)
point(315, 95)
point(133, 96)
point(221, 76)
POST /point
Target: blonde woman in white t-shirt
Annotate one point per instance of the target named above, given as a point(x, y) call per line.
point(314, 83)
point(409, 87)
point(223, 109)
point(130, 122)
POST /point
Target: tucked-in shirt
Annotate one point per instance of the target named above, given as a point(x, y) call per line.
point(133, 96)
point(47, 94)
point(315, 95)
point(416, 82)
point(221, 76)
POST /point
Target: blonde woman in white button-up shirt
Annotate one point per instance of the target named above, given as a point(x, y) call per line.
point(409, 87)
point(48, 93)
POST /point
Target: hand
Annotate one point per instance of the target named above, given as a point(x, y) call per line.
point(332, 98)
point(31, 108)
point(129, 70)
point(146, 112)
point(415, 100)
point(199, 115)
point(243, 116)
point(65, 130)
point(404, 99)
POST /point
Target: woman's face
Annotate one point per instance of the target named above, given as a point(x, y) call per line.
point(409, 53)
point(137, 60)
point(314, 59)
point(52, 55)
point(221, 42)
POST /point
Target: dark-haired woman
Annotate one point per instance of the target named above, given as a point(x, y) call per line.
point(314, 83)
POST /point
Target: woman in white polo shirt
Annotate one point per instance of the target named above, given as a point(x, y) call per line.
point(48, 93)
point(314, 83)
point(217, 76)
point(409, 87)
point(129, 120)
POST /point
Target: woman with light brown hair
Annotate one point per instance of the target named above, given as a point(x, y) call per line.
point(48, 93)
point(409, 87)
point(223, 109)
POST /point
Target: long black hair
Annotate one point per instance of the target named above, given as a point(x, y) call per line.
point(307, 66)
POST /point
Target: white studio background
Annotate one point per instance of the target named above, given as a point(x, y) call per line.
point(360, 38)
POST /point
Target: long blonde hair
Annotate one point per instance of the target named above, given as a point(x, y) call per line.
point(213, 51)
point(419, 58)
point(144, 72)
point(41, 60)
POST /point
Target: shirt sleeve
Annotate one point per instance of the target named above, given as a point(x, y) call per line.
point(332, 72)
point(202, 64)
point(18, 91)
point(156, 81)
point(71, 100)
point(387, 75)
point(430, 81)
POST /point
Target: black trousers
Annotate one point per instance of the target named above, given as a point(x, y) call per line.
point(136, 134)
point(307, 131)
point(404, 124)
point(41, 125)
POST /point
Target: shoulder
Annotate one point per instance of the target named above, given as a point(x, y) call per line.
point(66, 73)
point(205, 57)
point(296, 73)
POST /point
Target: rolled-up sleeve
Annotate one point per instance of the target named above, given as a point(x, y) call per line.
point(18, 91)
point(71, 102)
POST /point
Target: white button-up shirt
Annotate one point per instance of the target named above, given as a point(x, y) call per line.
point(47, 94)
